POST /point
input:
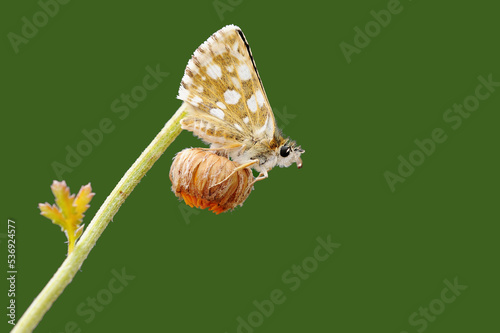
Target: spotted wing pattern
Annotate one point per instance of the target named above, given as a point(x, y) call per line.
point(221, 82)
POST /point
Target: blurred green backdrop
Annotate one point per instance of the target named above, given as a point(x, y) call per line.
point(355, 83)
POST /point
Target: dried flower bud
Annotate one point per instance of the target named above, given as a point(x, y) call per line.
point(198, 177)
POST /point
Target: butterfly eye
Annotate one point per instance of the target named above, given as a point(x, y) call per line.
point(285, 151)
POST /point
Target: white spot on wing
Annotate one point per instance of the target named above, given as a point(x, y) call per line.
point(214, 71)
point(252, 104)
point(238, 127)
point(230, 68)
point(191, 65)
point(218, 48)
point(218, 113)
point(236, 82)
point(187, 79)
point(231, 96)
point(260, 98)
point(263, 128)
point(200, 89)
point(245, 120)
point(221, 105)
point(196, 100)
point(183, 93)
point(244, 72)
point(203, 54)
point(235, 46)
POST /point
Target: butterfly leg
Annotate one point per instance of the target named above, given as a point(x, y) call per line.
point(241, 167)
point(261, 176)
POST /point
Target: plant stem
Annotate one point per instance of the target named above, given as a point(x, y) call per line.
point(109, 208)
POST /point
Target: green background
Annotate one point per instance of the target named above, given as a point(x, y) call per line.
point(198, 272)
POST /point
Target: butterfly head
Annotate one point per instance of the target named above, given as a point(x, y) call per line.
point(289, 153)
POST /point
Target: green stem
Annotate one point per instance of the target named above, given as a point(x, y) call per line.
point(109, 208)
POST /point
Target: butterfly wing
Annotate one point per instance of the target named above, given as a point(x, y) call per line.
point(221, 82)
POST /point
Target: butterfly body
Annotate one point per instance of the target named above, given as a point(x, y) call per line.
point(229, 107)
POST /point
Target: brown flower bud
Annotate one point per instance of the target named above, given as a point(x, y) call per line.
point(198, 177)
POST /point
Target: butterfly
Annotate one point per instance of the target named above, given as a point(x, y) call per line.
point(229, 106)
